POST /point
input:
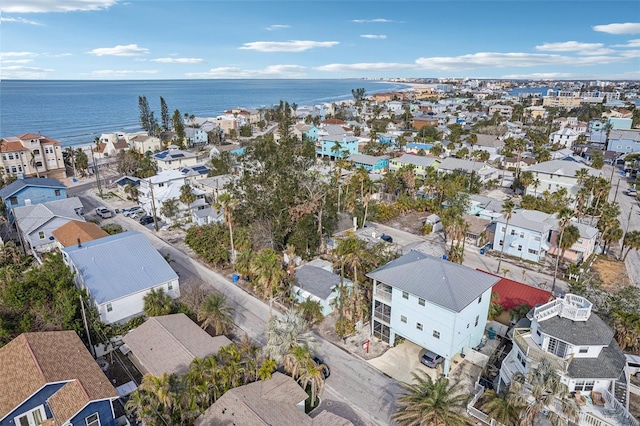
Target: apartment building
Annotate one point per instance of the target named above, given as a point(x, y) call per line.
point(32, 155)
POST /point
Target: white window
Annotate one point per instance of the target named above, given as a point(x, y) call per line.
point(405, 295)
point(583, 350)
point(520, 248)
point(93, 420)
point(41, 235)
point(584, 385)
point(403, 319)
point(522, 235)
point(109, 307)
point(522, 359)
point(420, 301)
point(480, 299)
point(532, 251)
point(436, 334)
point(419, 326)
point(170, 286)
point(477, 320)
point(34, 417)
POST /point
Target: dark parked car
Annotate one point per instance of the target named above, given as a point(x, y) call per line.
point(387, 238)
point(325, 372)
point(431, 359)
point(146, 220)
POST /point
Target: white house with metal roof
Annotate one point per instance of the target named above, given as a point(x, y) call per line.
point(439, 305)
point(118, 271)
point(484, 171)
point(556, 174)
point(582, 349)
point(173, 158)
point(316, 281)
point(527, 235)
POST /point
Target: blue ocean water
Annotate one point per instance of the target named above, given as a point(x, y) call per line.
point(542, 90)
point(74, 112)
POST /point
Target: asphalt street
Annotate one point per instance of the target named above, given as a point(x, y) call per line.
point(369, 392)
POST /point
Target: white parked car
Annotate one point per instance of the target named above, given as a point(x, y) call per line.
point(132, 211)
point(633, 363)
point(104, 212)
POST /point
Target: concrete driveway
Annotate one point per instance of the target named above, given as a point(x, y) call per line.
point(399, 362)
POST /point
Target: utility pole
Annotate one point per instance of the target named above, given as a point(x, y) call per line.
point(153, 206)
point(626, 229)
point(615, 195)
point(86, 327)
point(97, 172)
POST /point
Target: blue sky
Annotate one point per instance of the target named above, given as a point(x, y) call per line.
point(135, 39)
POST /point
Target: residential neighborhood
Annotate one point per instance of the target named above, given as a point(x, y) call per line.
point(331, 264)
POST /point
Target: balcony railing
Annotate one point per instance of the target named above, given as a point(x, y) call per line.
point(522, 338)
point(382, 294)
point(572, 307)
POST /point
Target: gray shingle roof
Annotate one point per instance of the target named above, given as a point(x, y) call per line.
point(19, 184)
point(316, 281)
point(451, 163)
point(608, 365)
point(119, 265)
point(443, 283)
point(32, 217)
point(366, 159)
point(592, 332)
point(532, 220)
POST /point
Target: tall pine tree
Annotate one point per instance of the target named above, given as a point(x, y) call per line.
point(164, 114)
point(178, 127)
point(145, 113)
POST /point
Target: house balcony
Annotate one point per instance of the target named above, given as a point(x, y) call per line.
point(384, 295)
point(382, 317)
point(522, 338)
point(572, 307)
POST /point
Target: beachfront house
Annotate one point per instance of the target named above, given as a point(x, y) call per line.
point(142, 143)
point(32, 155)
point(438, 305)
point(173, 158)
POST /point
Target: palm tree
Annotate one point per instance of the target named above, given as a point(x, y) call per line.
point(536, 184)
point(268, 273)
point(310, 310)
point(430, 402)
point(504, 408)
point(157, 303)
point(213, 311)
point(564, 220)
point(296, 360)
point(627, 327)
point(507, 210)
point(313, 375)
point(267, 368)
point(186, 195)
point(286, 332)
point(631, 242)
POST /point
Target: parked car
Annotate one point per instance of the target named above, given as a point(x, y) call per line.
point(146, 220)
point(431, 359)
point(633, 363)
point(326, 372)
point(132, 211)
point(387, 238)
point(104, 212)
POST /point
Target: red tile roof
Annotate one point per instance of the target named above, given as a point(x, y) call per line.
point(9, 146)
point(513, 293)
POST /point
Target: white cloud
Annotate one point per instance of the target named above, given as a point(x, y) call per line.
point(516, 59)
point(178, 60)
point(539, 76)
point(366, 66)
point(272, 71)
point(21, 21)
point(44, 6)
point(626, 28)
point(630, 43)
point(59, 55)
point(286, 46)
point(128, 50)
point(16, 61)
point(374, 36)
point(276, 27)
point(121, 73)
point(630, 54)
point(21, 72)
point(16, 54)
point(568, 46)
point(373, 21)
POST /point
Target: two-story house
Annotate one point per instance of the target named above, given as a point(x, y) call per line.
point(484, 171)
point(527, 235)
point(306, 131)
point(556, 174)
point(118, 271)
point(109, 145)
point(317, 281)
point(173, 158)
point(504, 111)
point(436, 304)
point(582, 349)
point(50, 378)
point(195, 136)
point(421, 165)
point(29, 191)
point(372, 163)
point(336, 147)
point(582, 249)
point(564, 137)
point(143, 143)
point(32, 154)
